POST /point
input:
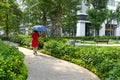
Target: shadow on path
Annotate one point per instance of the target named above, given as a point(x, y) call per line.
point(45, 67)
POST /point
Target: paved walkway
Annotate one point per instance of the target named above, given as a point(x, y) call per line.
point(82, 44)
point(45, 67)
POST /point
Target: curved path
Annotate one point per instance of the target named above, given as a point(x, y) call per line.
point(45, 67)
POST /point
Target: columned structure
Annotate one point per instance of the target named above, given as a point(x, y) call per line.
point(83, 25)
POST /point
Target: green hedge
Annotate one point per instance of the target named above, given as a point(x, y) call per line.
point(103, 61)
point(89, 38)
point(21, 39)
point(25, 41)
point(12, 65)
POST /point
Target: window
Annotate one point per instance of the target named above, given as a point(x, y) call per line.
point(117, 3)
point(110, 30)
point(111, 3)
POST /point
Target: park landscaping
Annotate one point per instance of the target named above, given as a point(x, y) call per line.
point(103, 61)
point(57, 15)
point(12, 65)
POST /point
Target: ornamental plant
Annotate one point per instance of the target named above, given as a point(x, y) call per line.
point(12, 65)
point(103, 61)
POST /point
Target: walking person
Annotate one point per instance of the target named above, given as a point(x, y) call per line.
point(35, 41)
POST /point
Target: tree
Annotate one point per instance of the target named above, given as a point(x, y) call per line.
point(94, 14)
point(3, 8)
point(97, 4)
point(117, 18)
point(10, 15)
point(60, 8)
point(37, 11)
point(110, 17)
point(117, 14)
point(97, 17)
point(55, 10)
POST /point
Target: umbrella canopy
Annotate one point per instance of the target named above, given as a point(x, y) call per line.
point(39, 28)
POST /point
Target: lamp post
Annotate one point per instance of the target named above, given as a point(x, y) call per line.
point(7, 21)
point(74, 38)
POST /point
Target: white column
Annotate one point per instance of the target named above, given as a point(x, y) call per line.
point(117, 31)
point(102, 30)
point(26, 30)
point(80, 29)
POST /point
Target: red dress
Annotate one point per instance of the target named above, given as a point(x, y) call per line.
point(35, 36)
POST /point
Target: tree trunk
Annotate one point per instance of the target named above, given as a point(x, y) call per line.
point(59, 22)
point(53, 28)
point(7, 32)
point(96, 32)
point(44, 19)
point(57, 32)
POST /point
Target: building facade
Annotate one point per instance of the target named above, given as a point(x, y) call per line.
point(83, 25)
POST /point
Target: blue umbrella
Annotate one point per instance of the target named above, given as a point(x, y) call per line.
point(39, 28)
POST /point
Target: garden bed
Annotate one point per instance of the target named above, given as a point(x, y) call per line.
point(12, 65)
point(103, 61)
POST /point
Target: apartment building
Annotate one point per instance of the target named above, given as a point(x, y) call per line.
point(83, 25)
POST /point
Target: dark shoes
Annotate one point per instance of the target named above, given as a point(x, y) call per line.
point(35, 53)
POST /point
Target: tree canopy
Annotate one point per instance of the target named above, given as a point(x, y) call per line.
point(53, 12)
point(10, 15)
point(97, 14)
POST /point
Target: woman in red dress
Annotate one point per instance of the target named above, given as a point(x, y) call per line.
point(35, 42)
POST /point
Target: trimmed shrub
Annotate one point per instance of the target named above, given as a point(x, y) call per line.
point(103, 61)
point(12, 65)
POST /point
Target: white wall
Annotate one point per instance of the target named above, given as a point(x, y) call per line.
point(102, 30)
point(118, 31)
point(80, 29)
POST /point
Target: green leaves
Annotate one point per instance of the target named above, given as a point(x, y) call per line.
point(103, 61)
point(94, 14)
point(12, 65)
point(117, 14)
point(52, 12)
point(97, 4)
point(10, 15)
point(95, 17)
